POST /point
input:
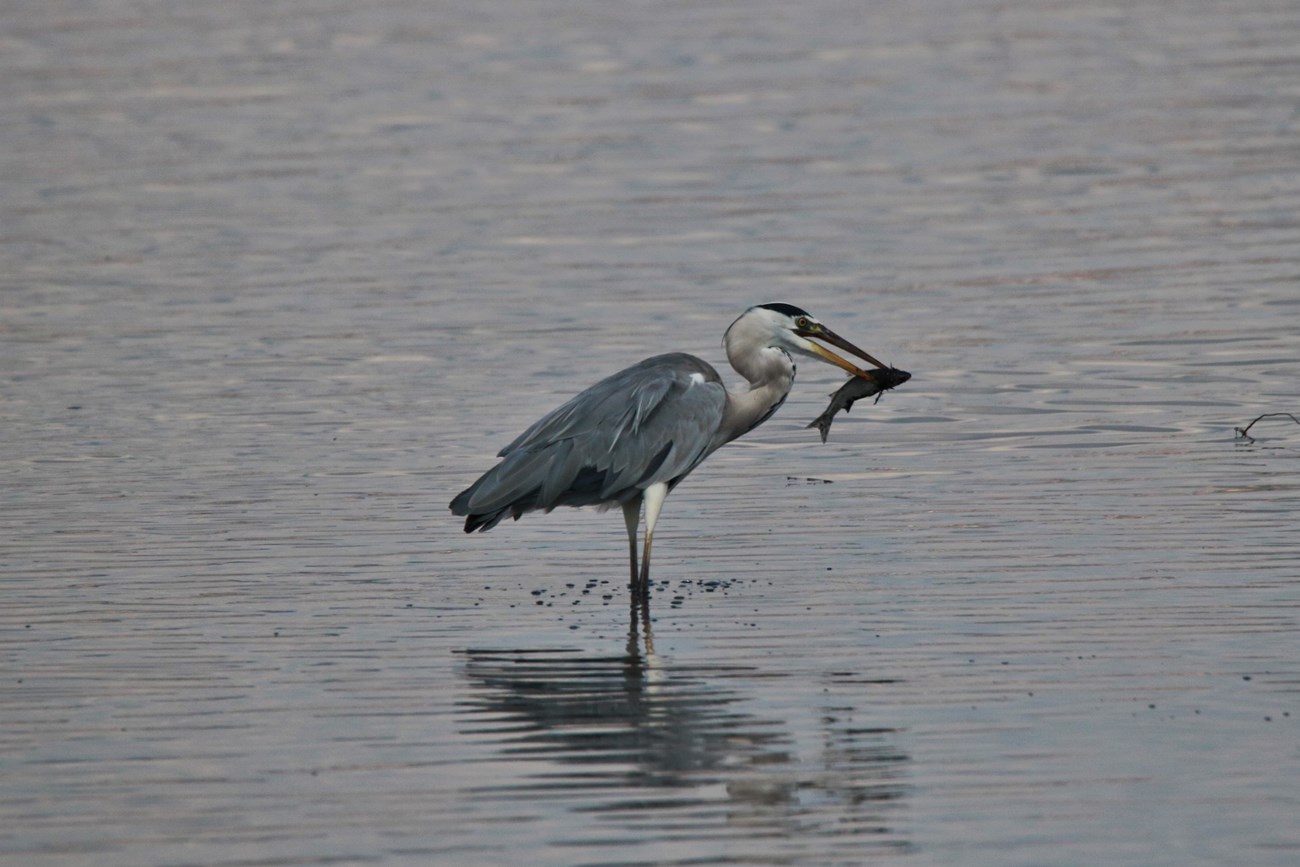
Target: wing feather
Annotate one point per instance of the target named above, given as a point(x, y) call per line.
point(653, 422)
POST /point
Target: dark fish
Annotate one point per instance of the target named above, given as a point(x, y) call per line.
point(882, 379)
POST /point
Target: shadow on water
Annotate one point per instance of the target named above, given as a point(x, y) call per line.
point(671, 753)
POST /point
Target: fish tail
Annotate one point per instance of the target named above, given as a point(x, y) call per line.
point(823, 425)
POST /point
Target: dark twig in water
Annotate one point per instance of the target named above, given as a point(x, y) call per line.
point(1242, 431)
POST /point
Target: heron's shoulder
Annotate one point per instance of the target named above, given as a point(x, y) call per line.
point(678, 365)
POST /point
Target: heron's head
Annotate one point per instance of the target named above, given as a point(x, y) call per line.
point(786, 327)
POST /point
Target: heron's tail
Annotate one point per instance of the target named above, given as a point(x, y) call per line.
point(486, 519)
point(534, 479)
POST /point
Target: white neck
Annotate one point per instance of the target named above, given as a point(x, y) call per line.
point(770, 373)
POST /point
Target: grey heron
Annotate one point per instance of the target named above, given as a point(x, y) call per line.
point(631, 438)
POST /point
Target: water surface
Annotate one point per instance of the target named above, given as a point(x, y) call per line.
point(279, 279)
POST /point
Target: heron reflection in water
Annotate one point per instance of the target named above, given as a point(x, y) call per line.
point(631, 438)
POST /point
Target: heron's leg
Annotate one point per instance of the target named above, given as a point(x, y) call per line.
point(654, 501)
point(632, 517)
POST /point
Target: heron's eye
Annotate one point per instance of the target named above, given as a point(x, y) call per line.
point(802, 322)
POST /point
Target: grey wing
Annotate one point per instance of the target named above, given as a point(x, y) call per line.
point(653, 422)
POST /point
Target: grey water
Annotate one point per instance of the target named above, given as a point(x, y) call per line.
point(278, 279)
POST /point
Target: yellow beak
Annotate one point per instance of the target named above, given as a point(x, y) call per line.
point(821, 332)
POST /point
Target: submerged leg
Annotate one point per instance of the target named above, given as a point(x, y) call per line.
point(640, 615)
point(654, 501)
point(632, 517)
